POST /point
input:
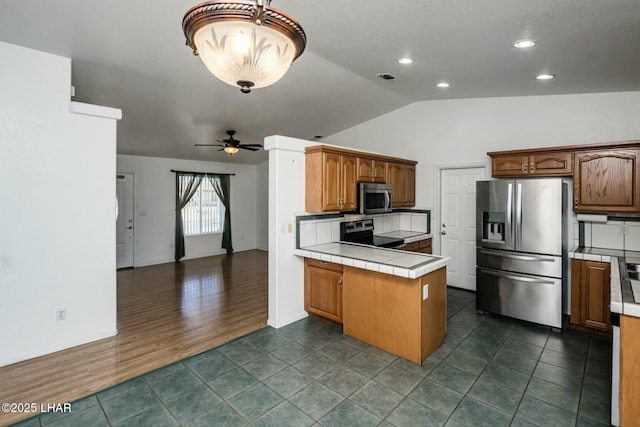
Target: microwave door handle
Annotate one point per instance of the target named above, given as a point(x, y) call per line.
point(387, 200)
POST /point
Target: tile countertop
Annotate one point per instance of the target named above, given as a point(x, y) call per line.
point(622, 301)
point(408, 236)
point(389, 261)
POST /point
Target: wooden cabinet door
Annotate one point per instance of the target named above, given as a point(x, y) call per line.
point(370, 170)
point(332, 185)
point(365, 169)
point(629, 370)
point(549, 164)
point(576, 292)
point(510, 165)
point(606, 181)
point(323, 289)
point(396, 179)
point(348, 176)
point(379, 171)
point(595, 295)
point(409, 186)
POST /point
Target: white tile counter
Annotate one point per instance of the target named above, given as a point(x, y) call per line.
point(622, 296)
point(389, 261)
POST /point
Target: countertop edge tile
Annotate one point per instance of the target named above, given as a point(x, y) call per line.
point(389, 261)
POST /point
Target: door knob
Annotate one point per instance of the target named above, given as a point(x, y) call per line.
point(443, 232)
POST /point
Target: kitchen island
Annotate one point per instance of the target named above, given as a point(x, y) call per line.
point(391, 299)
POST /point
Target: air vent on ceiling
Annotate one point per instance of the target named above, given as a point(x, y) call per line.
point(386, 76)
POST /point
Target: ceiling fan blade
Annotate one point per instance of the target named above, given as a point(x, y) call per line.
point(244, 147)
point(251, 145)
point(208, 145)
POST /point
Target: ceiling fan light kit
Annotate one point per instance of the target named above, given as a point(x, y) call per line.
point(231, 145)
point(244, 43)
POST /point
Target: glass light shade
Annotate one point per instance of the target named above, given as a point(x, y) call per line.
point(237, 51)
point(230, 149)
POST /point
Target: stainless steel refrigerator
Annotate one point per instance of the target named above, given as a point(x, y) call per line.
point(521, 238)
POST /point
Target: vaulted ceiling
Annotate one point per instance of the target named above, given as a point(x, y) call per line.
point(131, 55)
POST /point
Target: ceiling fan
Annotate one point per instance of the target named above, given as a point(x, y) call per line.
point(231, 145)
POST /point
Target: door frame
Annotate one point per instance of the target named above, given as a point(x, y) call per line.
point(135, 209)
point(437, 196)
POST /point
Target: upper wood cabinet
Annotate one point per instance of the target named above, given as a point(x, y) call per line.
point(331, 176)
point(402, 178)
point(370, 170)
point(532, 164)
point(607, 181)
point(330, 182)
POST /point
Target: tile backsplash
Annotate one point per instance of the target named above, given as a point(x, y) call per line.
point(621, 235)
point(317, 230)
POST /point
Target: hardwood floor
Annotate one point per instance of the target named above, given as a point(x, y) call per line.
point(166, 313)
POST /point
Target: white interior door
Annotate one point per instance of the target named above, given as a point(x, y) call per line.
point(124, 221)
point(458, 224)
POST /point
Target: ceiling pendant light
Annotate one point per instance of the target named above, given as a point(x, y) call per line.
point(244, 43)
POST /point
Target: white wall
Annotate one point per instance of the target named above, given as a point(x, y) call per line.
point(57, 227)
point(262, 189)
point(154, 212)
point(461, 131)
point(286, 198)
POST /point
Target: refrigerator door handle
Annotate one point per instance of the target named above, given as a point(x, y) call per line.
point(510, 214)
point(518, 257)
point(518, 227)
point(516, 278)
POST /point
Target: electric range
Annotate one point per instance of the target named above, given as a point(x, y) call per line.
point(361, 231)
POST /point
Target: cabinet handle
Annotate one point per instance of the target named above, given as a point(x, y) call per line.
point(524, 167)
point(340, 281)
point(575, 203)
point(532, 168)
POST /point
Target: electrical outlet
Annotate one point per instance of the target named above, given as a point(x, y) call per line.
point(425, 291)
point(61, 314)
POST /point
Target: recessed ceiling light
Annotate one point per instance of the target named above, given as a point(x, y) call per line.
point(405, 61)
point(524, 43)
point(545, 76)
point(443, 85)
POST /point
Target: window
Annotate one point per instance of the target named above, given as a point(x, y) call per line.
point(204, 214)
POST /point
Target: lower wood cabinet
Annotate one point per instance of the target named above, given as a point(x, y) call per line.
point(422, 246)
point(323, 289)
point(629, 371)
point(590, 284)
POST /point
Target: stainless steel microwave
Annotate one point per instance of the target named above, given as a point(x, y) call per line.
point(374, 198)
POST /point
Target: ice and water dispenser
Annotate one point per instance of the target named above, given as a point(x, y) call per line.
point(493, 226)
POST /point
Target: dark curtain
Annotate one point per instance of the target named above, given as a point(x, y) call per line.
point(221, 184)
point(186, 186)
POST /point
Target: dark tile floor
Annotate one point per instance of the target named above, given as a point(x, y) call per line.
point(491, 371)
